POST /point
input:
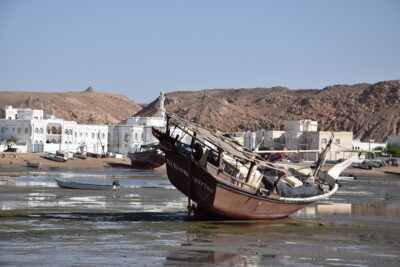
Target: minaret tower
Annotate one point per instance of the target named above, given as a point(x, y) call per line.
point(162, 109)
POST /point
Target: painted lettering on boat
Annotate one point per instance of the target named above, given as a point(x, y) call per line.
point(193, 178)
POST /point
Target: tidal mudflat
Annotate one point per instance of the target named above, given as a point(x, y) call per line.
point(144, 224)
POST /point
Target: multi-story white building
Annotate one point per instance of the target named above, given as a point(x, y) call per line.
point(136, 132)
point(37, 133)
point(10, 113)
point(303, 135)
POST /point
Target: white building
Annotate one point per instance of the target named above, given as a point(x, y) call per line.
point(304, 135)
point(370, 145)
point(10, 113)
point(36, 133)
point(136, 132)
point(301, 126)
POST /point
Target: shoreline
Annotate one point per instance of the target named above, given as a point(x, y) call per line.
point(16, 162)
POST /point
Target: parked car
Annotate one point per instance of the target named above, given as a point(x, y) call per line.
point(393, 162)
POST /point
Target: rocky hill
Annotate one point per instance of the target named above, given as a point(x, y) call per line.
point(87, 107)
point(369, 111)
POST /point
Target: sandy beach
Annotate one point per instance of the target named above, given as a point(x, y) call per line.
point(10, 162)
point(18, 161)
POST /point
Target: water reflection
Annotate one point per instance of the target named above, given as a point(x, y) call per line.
point(379, 208)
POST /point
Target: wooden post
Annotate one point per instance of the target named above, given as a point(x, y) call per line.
point(220, 152)
point(277, 181)
point(250, 170)
point(189, 158)
point(167, 130)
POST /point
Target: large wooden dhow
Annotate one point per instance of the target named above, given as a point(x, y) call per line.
point(224, 179)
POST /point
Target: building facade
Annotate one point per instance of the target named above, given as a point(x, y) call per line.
point(37, 133)
point(136, 132)
point(303, 135)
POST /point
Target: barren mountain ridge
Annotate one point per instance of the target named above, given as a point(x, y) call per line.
point(369, 111)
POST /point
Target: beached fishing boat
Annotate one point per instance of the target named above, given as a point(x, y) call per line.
point(224, 179)
point(148, 156)
point(54, 157)
point(64, 183)
point(79, 155)
point(33, 164)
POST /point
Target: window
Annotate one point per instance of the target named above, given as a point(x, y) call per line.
point(76, 135)
point(26, 130)
point(337, 141)
point(103, 135)
point(19, 130)
point(92, 135)
point(41, 130)
point(36, 130)
point(323, 141)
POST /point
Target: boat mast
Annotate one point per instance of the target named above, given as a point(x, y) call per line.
point(321, 159)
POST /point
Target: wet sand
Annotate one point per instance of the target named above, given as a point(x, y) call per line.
point(144, 223)
point(18, 161)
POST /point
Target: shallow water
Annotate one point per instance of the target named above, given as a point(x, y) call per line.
point(144, 224)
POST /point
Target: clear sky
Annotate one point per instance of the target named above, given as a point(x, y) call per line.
point(137, 48)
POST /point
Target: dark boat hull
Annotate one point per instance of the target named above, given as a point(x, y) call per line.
point(215, 193)
point(147, 159)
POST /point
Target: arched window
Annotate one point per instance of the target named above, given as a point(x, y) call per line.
point(41, 130)
point(36, 130)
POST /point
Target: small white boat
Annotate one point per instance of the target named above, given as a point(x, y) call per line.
point(64, 183)
point(33, 165)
